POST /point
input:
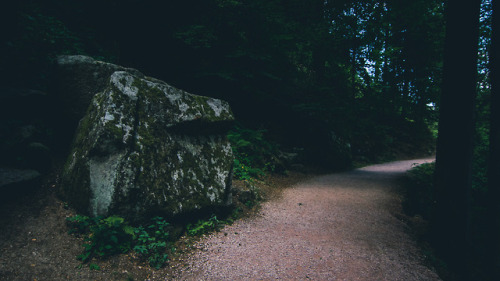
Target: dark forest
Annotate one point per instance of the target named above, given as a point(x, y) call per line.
point(335, 84)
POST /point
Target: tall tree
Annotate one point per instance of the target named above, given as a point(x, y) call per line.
point(456, 129)
point(494, 159)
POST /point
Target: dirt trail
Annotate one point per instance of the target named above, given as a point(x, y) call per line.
point(334, 227)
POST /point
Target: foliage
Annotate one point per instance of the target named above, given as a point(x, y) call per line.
point(204, 226)
point(152, 242)
point(420, 193)
point(80, 224)
point(254, 155)
point(32, 64)
point(109, 236)
point(301, 69)
point(94, 266)
point(35, 33)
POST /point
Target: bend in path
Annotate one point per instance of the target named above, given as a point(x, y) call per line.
point(333, 227)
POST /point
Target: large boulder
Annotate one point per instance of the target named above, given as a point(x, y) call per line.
point(78, 79)
point(25, 129)
point(16, 182)
point(146, 148)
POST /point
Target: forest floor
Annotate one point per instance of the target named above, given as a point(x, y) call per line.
point(344, 226)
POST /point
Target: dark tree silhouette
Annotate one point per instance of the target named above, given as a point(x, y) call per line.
point(456, 130)
point(494, 159)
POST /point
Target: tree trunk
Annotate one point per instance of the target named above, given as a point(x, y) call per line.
point(494, 158)
point(456, 129)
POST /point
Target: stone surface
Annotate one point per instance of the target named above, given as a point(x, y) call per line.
point(146, 148)
point(15, 176)
point(14, 182)
point(245, 192)
point(78, 79)
point(25, 129)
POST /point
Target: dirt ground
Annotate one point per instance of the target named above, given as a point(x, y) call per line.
point(342, 226)
point(35, 244)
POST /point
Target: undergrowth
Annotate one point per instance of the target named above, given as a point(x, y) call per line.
point(105, 237)
point(204, 226)
point(152, 242)
point(254, 155)
point(420, 193)
point(420, 201)
point(212, 224)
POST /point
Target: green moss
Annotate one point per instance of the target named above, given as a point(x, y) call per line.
point(157, 151)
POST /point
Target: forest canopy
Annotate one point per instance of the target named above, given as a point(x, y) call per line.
point(366, 74)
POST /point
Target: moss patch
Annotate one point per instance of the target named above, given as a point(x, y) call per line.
point(159, 169)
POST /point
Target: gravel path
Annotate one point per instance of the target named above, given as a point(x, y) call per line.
point(334, 227)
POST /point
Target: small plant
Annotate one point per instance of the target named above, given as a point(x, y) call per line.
point(235, 214)
point(253, 154)
point(204, 226)
point(94, 266)
point(246, 173)
point(80, 224)
point(420, 191)
point(250, 203)
point(151, 242)
point(112, 235)
point(108, 237)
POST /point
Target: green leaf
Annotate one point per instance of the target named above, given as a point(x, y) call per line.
point(94, 266)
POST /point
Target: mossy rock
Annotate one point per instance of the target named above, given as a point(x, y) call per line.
point(78, 78)
point(145, 147)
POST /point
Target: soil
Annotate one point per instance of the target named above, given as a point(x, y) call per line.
point(345, 226)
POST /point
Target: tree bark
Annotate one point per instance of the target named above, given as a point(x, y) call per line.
point(456, 130)
point(494, 157)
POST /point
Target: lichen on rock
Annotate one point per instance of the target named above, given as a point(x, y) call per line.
point(146, 147)
point(79, 78)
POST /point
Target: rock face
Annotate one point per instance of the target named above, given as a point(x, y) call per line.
point(14, 182)
point(147, 148)
point(25, 129)
point(79, 78)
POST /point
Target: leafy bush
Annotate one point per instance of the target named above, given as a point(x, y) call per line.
point(29, 64)
point(420, 196)
point(152, 242)
point(254, 155)
point(243, 171)
point(80, 224)
point(109, 236)
point(204, 226)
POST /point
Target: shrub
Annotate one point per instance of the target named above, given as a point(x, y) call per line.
point(420, 197)
point(254, 155)
point(80, 224)
point(204, 226)
point(105, 237)
point(151, 242)
point(108, 237)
